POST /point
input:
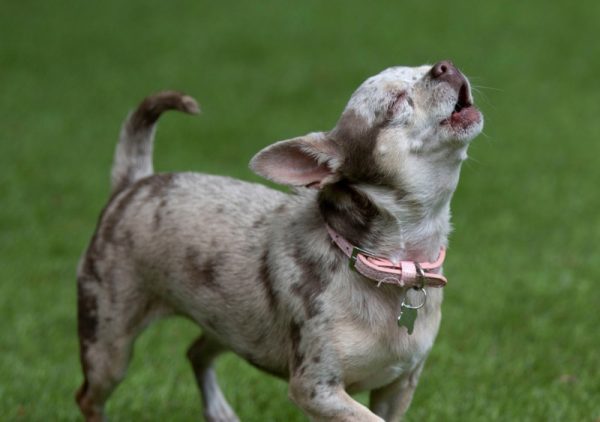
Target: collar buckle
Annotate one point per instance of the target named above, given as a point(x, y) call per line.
point(354, 256)
point(421, 276)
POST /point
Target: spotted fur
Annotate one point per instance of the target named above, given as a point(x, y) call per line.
point(256, 269)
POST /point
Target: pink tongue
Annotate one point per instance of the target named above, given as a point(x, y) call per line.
point(465, 116)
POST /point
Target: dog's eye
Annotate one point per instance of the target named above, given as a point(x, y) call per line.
point(398, 101)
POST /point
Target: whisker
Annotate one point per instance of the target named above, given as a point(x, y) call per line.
point(483, 96)
point(486, 136)
point(486, 87)
point(472, 163)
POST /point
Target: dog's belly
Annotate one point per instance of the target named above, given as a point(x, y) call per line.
point(235, 313)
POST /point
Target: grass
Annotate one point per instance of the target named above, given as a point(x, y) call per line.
point(519, 339)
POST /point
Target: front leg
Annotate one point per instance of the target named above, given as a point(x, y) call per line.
point(392, 401)
point(326, 400)
point(316, 382)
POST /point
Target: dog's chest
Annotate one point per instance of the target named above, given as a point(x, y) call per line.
point(374, 357)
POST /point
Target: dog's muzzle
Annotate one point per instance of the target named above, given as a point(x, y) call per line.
point(464, 113)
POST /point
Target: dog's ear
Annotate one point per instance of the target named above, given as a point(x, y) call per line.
point(310, 161)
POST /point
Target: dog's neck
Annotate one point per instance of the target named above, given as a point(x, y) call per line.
point(408, 223)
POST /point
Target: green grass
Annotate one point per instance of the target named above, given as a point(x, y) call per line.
point(519, 339)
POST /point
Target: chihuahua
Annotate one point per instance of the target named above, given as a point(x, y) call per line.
point(335, 287)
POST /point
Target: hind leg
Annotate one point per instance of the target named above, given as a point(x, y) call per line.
point(107, 330)
point(201, 355)
point(105, 363)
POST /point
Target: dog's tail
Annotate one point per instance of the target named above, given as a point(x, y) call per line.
point(133, 156)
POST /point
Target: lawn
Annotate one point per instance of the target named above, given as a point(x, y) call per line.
point(519, 339)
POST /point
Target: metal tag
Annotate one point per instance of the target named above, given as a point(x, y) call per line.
point(408, 312)
point(407, 318)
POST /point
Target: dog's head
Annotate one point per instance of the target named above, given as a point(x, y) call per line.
point(401, 137)
point(395, 119)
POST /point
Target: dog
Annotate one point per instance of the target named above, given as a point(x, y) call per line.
point(320, 287)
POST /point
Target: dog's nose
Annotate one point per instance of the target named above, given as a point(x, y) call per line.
point(445, 71)
point(442, 68)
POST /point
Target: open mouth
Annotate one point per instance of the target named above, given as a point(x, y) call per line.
point(465, 113)
point(463, 99)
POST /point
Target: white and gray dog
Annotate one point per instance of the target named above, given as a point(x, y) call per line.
point(267, 274)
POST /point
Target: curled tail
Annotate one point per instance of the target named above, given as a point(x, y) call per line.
point(133, 156)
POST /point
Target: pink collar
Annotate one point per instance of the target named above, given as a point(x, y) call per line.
point(382, 270)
